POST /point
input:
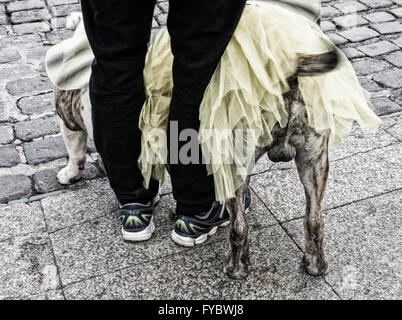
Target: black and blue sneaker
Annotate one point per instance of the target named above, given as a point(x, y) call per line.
point(191, 231)
point(137, 220)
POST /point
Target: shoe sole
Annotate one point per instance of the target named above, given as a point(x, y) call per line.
point(143, 235)
point(192, 242)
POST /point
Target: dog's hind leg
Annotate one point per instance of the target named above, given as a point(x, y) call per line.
point(312, 164)
point(237, 265)
point(76, 144)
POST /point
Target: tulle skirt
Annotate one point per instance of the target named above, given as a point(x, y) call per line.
point(246, 91)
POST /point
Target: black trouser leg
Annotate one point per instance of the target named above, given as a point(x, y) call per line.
point(200, 31)
point(118, 31)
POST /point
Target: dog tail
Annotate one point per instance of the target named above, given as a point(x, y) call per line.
point(73, 20)
point(316, 64)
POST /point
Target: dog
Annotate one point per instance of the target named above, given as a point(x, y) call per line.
point(297, 141)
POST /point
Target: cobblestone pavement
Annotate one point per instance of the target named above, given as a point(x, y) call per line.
point(65, 243)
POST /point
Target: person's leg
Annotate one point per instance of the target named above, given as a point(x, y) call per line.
point(118, 31)
point(200, 32)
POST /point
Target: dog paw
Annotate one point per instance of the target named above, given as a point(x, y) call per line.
point(69, 175)
point(73, 20)
point(239, 273)
point(315, 266)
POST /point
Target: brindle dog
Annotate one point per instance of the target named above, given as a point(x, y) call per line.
point(297, 141)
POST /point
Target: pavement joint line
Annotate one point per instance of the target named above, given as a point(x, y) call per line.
point(395, 137)
point(103, 215)
point(332, 288)
point(359, 200)
point(52, 249)
point(39, 197)
point(277, 220)
point(343, 205)
point(144, 262)
point(262, 172)
point(367, 151)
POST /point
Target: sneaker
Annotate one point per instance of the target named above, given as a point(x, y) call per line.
point(137, 220)
point(191, 231)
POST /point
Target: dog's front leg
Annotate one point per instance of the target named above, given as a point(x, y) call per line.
point(312, 164)
point(237, 265)
point(76, 144)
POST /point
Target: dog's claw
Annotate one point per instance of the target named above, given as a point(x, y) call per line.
point(320, 268)
point(68, 175)
point(236, 274)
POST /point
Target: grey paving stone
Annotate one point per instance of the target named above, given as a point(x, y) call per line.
point(383, 106)
point(378, 48)
point(36, 104)
point(370, 85)
point(396, 96)
point(164, 6)
point(329, 12)
point(25, 40)
point(388, 27)
point(104, 247)
point(25, 5)
point(397, 12)
point(377, 3)
point(362, 243)
point(29, 86)
point(349, 21)
point(162, 19)
point(360, 141)
point(395, 58)
point(166, 187)
point(36, 128)
point(378, 17)
point(390, 78)
point(48, 295)
point(45, 150)
point(30, 16)
point(59, 35)
point(360, 176)
point(14, 187)
point(58, 23)
point(21, 219)
point(327, 26)
point(274, 274)
point(104, 242)
point(396, 128)
point(38, 52)
point(337, 39)
point(27, 266)
point(60, 2)
point(352, 53)
point(6, 134)
point(350, 7)
point(32, 27)
point(9, 55)
point(64, 10)
point(398, 41)
point(8, 156)
point(78, 206)
point(359, 34)
point(16, 71)
point(368, 66)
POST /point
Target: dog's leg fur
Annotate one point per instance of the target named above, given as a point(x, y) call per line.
point(76, 144)
point(312, 165)
point(237, 265)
